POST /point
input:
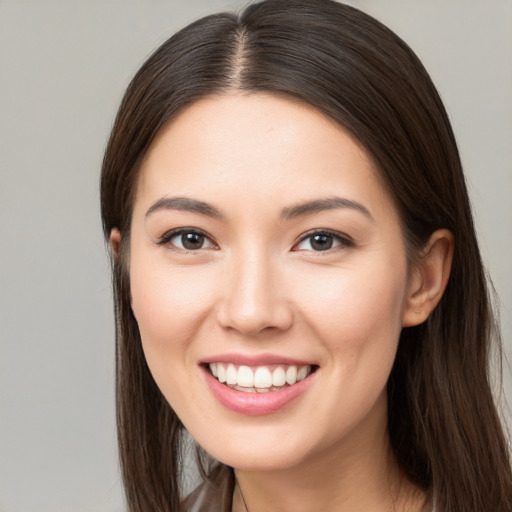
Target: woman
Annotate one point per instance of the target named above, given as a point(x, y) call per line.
point(296, 274)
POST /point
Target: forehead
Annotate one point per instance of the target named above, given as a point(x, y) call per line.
point(257, 146)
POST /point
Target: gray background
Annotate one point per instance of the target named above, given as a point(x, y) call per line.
point(64, 66)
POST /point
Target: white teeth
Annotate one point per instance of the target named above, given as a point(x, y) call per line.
point(245, 377)
point(221, 372)
point(231, 374)
point(291, 375)
point(278, 377)
point(260, 379)
point(246, 390)
point(302, 373)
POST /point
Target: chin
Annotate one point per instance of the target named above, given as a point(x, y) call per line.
point(268, 461)
point(253, 452)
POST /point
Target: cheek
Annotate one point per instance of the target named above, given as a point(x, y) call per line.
point(357, 318)
point(357, 315)
point(164, 297)
point(355, 301)
point(170, 305)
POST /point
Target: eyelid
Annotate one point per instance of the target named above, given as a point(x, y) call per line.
point(169, 235)
point(344, 239)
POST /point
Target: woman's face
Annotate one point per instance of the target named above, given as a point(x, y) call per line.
point(264, 248)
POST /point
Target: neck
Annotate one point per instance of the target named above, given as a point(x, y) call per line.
point(359, 475)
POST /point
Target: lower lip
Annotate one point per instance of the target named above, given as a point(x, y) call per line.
point(256, 404)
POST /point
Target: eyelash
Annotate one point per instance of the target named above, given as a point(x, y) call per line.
point(167, 237)
point(343, 240)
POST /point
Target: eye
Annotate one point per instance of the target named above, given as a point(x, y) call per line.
point(187, 240)
point(322, 241)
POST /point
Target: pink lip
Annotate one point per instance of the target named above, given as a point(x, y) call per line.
point(259, 360)
point(255, 404)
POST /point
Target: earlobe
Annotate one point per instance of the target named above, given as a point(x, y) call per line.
point(115, 243)
point(429, 278)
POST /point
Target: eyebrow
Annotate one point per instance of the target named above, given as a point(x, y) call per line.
point(320, 205)
point(185, 204)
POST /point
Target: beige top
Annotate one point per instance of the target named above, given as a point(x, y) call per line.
point(216, 494)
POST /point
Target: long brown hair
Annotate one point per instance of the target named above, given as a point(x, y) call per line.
point(444, 428)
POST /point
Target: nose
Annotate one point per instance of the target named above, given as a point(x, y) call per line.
point(253, 297)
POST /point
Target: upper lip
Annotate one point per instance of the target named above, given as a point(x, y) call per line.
point(255, 359)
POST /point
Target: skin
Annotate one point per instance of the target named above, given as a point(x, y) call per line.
point(258, 286)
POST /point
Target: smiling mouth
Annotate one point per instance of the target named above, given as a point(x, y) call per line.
point(259, 379)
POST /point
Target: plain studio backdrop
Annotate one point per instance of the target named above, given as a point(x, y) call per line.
point(64, 67)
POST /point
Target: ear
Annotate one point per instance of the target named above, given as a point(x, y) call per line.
point(115, 243)
point(115, 247)
point(429, 278)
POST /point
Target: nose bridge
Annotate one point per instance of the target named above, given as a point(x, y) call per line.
point(253, 298)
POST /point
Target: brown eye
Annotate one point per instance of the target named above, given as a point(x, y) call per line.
point(191, 241)
point(322, 241)
point(187, 240)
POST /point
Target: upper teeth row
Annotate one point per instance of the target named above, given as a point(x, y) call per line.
point(259, 377)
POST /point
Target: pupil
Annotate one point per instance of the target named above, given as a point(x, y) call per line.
point(192, 240)
point(321, 242)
